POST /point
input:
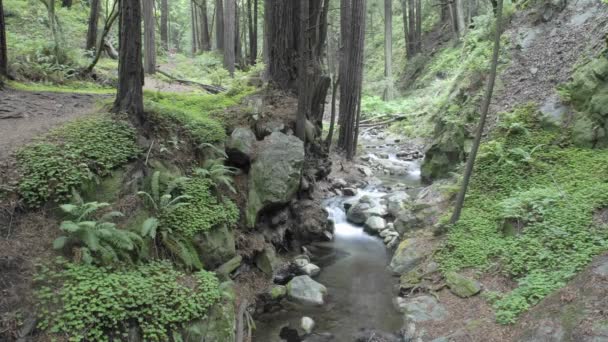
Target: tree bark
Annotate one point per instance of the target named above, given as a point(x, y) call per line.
point(418, 25)
point(484, 113)
point(332, 120)
point(254, 38)
point(238, 51)
point(149, 37)
point(252, 55)
point(193, 27)
point(283, 33)
point(3, 48)
point(204, 27)
point(388, 50)
point(229, 36)
point(351, 73)
point(109, 22)
point(219, 24)
point(93, 21)
point(164, 24)
point(129, 95)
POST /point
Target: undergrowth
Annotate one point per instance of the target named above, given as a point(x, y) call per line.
point(203, 211)
point(553, 194)
point(104, 303)
point(199, 114)
point(73, 154)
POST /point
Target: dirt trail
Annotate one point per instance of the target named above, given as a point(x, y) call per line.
point(26, 115)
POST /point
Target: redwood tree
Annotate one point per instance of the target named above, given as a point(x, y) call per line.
point(164, 24)
point(93, 20)
point(3, 49)
point(129, 95)
point(219, 24)
point(149, 37)
point(229, 35)
point(352, 28)
point(388, 49)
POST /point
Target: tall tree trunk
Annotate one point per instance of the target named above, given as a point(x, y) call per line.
point(93, 21)
point(164, 24)
point(388, 49)
point(193, 27)
point(459, 16)
point(406, 29)
point(250, 31)
point(219, 24)
point(204, 31)
point(266, 46)
point(332, 120)
point(484, 113)
point(149, 37)
point(238, 51)
point(229, 35)
point(351, 73)
point(283, 33)
point(411, 14)
point(254, 38)
point(418, 25)
point(3, 48)
point(107, 26)
point(129, 95)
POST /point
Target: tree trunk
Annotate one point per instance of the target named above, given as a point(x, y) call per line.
point(109, 22)
point(254, 38)
point(250, 31)
point(418, 26)
point(204, 28)
point(149, 37)
point(3, 49)
point(164, 24)
point(351, 73)
point(219, 24)
point(332, 120)
point(460, 17)
point(238, 51)
point(229, 35)
point(266, 45)
point(388, 49)
point(193, 27)
point(484, 113)
point(93, 20)
point(406, 30)
point(129, 95)
point(283, 33)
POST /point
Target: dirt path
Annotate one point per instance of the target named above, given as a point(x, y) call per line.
point(26, 115)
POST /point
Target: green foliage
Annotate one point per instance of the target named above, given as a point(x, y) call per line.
point(96, 241)
point(88, 303)
point(555, 197)
point(203, 212)
point(218, 173)
point(71, 155)
point(76, 87)
point(162, 202)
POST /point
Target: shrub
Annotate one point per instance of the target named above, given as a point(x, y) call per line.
point(88, 303)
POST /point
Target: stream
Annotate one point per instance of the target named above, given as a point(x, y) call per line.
point(353, 268)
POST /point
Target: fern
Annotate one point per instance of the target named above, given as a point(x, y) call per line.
point(96, 241)
point(218, 173)
point(165, 202)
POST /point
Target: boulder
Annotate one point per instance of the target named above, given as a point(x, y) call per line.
point(215, 246)
point(349, 192)
point(462, 286)
point(339, 183)
point(307, 324)
point(310, 222)
point(396, 202)
point(367, 207)
point(219, 323)
point(408, 256)
point(421, 309)
point(240, 146)
point(306, 291)
point(407, 221)
point(311, 270)
point(229, 266)
point(275, 174)
point(375, 224)
point(267, 261)
point(277, 292)
point(364, 170)
point(264, 129)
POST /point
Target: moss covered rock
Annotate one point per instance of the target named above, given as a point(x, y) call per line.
point(275, 175)
point(215, 246)
point(462, 286)
point(220, 323)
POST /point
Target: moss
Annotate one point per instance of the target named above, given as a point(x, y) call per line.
point(71, 87)
point(462, 286)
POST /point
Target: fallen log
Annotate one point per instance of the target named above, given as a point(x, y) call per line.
point(110, 50)
point(382, 123)
point(209, 88)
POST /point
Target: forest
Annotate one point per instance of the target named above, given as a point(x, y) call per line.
point(303, 170)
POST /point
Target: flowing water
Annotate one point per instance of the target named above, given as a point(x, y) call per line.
point(353, 268)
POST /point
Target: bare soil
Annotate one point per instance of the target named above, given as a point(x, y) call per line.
point(25, 115)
